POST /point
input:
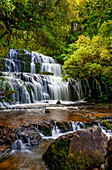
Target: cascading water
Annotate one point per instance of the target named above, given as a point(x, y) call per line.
point(38, 87)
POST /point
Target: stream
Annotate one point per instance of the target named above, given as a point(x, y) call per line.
point(31, 159)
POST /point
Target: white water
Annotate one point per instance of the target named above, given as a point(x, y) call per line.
point(19, 145)
point(34, 88)
point(76, 126)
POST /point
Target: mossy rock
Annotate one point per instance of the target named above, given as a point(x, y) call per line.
point(108, 159)
point(2, 64)
point(64, 126)
point(47, 110)
point(46, 73)
point(25, 66)
point(107, 125)
point(23, 56)
point(37, 67)
point(81, 150)
point(45, 128)
point(57, 153)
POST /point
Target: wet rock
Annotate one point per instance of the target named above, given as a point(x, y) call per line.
point(58, 102)
point(47, 110)
point(89, 124)
point(29, 135)
point(7, 137)
point(30, 138)
point(45, 128)
point(108, 160)
point(80, 150)
point(53, 122)
point(64, 126)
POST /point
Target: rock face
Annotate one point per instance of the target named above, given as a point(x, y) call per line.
point(108, 160)
point(81, 150)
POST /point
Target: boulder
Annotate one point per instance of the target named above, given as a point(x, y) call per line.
point(81, 150)
point(108, 160)
point(58, 102)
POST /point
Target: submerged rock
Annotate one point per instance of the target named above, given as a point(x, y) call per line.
point(82, 150)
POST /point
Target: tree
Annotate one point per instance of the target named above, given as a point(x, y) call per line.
point(92, 58)
point(92, 14)
point(34, 24)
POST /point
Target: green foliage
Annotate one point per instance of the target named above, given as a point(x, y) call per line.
point(34, 25)
point(106, 97)
point(92, 14)
point(107, 125)
point(93, 58)
point(5, 91)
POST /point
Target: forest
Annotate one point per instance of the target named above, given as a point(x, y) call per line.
point(78, 33)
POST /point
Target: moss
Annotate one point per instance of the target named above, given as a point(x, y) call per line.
point(47, 110)
point(57, 153)
point(70, 163)
point(107, 125)
point(22, 66)
point(37, 67)
point(25, 66)
point(2, 64)
point(46, 129)
point(22, 56)
point(108, 159)
point(46, 73)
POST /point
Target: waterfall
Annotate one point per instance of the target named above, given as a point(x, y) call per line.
point(15, 58)
point(39, 87)
point(21, 75)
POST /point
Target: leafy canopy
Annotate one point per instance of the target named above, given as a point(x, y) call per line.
point(34, 25)
point(92, 58)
